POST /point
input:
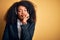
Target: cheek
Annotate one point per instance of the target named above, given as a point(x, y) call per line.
point(26, 13)
point(19, 14)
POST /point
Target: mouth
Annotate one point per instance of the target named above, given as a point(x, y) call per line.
point(22, 17)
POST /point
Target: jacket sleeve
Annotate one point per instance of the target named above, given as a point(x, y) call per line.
point(6, 33)
point(28, 31)
point(31, 29)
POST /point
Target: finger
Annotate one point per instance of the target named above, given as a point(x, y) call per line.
point(27, 16)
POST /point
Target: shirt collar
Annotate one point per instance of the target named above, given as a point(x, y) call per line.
point(19, 22)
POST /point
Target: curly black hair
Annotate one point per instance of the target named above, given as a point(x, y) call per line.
point(11, 16)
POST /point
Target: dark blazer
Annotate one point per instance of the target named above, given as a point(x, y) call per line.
point(11, 32)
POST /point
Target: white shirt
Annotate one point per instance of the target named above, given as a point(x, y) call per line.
point(19, 23)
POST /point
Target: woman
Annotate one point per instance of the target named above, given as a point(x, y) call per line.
point(20, 23)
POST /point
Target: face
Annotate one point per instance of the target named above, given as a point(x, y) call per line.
point(22, 12)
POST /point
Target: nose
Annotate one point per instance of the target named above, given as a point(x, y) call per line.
point(23, 12)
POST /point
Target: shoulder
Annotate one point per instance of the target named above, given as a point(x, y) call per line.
point(31, 25)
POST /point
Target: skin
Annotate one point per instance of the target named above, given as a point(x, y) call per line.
point(23, 14)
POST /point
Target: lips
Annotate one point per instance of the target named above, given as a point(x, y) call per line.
point(22, 16)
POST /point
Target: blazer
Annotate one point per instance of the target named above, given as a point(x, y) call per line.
point(11, 32)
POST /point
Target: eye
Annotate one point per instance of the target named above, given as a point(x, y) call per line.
point(25, 10)
point(19, 10)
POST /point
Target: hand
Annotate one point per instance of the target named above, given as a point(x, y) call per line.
point(25, 18)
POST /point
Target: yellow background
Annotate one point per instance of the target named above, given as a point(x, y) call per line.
point(47, 14)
